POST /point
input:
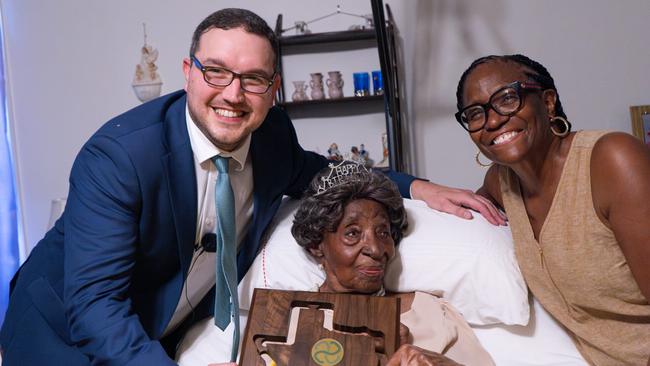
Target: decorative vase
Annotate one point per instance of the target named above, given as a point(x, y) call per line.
point(361, 84)
point(316, 84)
point(335, 85)
point(147, 91)
point(301, 91)
point(146, 81)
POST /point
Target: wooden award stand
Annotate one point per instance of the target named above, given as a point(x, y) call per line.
point(364, 330)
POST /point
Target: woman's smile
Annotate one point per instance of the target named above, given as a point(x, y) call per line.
point(505, 137)
point(372, 271)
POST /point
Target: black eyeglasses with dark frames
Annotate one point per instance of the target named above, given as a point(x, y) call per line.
point(222, 77)
point(506, 102)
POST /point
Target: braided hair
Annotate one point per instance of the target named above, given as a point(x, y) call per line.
point(539, 74)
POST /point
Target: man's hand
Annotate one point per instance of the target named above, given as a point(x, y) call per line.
point(409, 355)
point(456, 201)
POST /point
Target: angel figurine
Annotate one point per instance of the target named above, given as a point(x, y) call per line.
point(146, 81)
point(145, 71)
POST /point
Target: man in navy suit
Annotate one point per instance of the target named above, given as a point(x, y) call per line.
point(122, 274)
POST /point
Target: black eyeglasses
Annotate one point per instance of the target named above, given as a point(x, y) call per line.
point(505, 101)
point(221, 77)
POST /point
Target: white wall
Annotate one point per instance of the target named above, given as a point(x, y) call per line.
point(71, 63)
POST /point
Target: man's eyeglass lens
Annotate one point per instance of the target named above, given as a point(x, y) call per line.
point(219, 76)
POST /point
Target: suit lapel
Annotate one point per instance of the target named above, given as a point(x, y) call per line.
point(181, 180)
point(267, 195)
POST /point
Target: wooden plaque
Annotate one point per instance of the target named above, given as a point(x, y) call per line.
point(364, 330)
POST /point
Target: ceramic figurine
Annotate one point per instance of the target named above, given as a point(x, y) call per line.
point(316, 85)
point(146, 81)
point(334, 153)
point(335, 85)
point(301, 91)
point(384, 163)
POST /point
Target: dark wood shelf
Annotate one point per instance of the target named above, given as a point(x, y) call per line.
point(344, 100)
point(334, 108)
point(328, 37)
point(382, 37)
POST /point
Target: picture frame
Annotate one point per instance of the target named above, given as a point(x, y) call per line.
point(640, 116)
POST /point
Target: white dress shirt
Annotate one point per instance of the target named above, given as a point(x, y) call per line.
point(201, 275)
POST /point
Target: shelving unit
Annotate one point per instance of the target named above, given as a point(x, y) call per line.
point(344, 100)
point(382, 38)
point(320, 42)
point(328, 37)
point(332, 108)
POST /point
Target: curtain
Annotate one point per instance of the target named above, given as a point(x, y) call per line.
point(9, 232)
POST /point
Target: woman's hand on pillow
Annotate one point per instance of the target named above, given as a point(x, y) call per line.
point(415, 356)
point(455, 201)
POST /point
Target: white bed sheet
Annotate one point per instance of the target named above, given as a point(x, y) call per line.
point(542, 342)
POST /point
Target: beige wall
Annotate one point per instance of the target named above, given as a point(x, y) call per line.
point(70, 65)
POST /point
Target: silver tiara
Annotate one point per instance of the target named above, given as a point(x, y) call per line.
point(342, 173)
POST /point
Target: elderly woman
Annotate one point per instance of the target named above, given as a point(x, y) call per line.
point(351, 220)
point(576, 201)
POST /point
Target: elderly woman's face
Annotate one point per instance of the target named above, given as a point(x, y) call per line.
point(507, 139)
point(355, 255)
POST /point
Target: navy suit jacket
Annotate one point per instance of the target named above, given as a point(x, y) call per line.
point(103, 284)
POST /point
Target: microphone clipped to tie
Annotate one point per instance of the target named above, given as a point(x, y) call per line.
point(209, 242)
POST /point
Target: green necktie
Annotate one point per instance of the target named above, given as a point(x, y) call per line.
point(226, 302)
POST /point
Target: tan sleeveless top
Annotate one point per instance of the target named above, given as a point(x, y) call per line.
point(577, 270)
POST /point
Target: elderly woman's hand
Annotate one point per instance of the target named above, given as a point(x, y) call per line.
point(454, 201)
point(414, 356)
point(404, 335)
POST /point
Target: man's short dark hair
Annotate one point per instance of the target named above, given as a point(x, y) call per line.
point(232, 18)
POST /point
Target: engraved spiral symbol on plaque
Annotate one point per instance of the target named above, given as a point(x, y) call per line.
point(327, 352)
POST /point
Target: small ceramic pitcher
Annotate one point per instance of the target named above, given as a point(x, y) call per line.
point(301, 91)
point(316, 84)
point(335, 85)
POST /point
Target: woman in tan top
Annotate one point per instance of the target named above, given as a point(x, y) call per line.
point(578, 205)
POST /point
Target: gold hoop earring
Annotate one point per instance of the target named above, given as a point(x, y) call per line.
point(565, 126)
point(477, 157)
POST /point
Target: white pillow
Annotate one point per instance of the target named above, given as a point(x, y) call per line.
point(471, 262)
